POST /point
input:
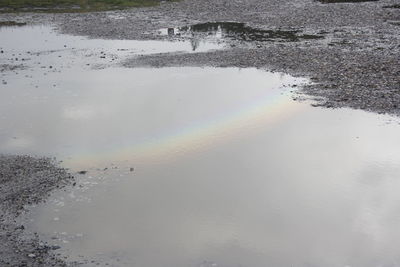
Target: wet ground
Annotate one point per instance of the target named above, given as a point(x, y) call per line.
point(187, 165)
point(355, 64)
point(38, 80)
point(246, 180)
point(352, 56)
point(236, 31)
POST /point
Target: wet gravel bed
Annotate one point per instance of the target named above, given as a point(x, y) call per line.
point(356, 64)
point(25, 181)
point(340, 80)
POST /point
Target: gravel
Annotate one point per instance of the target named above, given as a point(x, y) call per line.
point(25, 181)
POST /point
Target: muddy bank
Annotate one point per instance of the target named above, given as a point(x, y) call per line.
point(355, 64)
point(25, 181)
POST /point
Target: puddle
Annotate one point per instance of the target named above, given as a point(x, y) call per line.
point(47, 48)
point(199, 166)
point(244, 178)
point(238, 31)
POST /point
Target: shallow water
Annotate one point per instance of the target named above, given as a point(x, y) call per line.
point(203, 167)
point(35, 45)
point(237, 31)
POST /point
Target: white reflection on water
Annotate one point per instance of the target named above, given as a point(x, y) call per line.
point(115, 113)
point(287, 185)
point(318, 188)
point(43, 38)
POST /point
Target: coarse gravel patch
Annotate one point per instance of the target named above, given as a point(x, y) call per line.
point(26, 180)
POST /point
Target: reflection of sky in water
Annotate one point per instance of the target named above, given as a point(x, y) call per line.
point(43, 39)
point(130, 110)
point(319, 187)
point(218, 31)
point(228, 170)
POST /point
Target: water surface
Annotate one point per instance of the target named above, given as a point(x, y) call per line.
point(200, 166)
point(238, 31)
point(41, 44)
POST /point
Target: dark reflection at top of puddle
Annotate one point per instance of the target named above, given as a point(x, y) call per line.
point(345, 1)
point(240, 31)
point(392, 6)
point(11, 24)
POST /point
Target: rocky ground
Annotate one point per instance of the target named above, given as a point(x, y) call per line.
point(24, 181)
